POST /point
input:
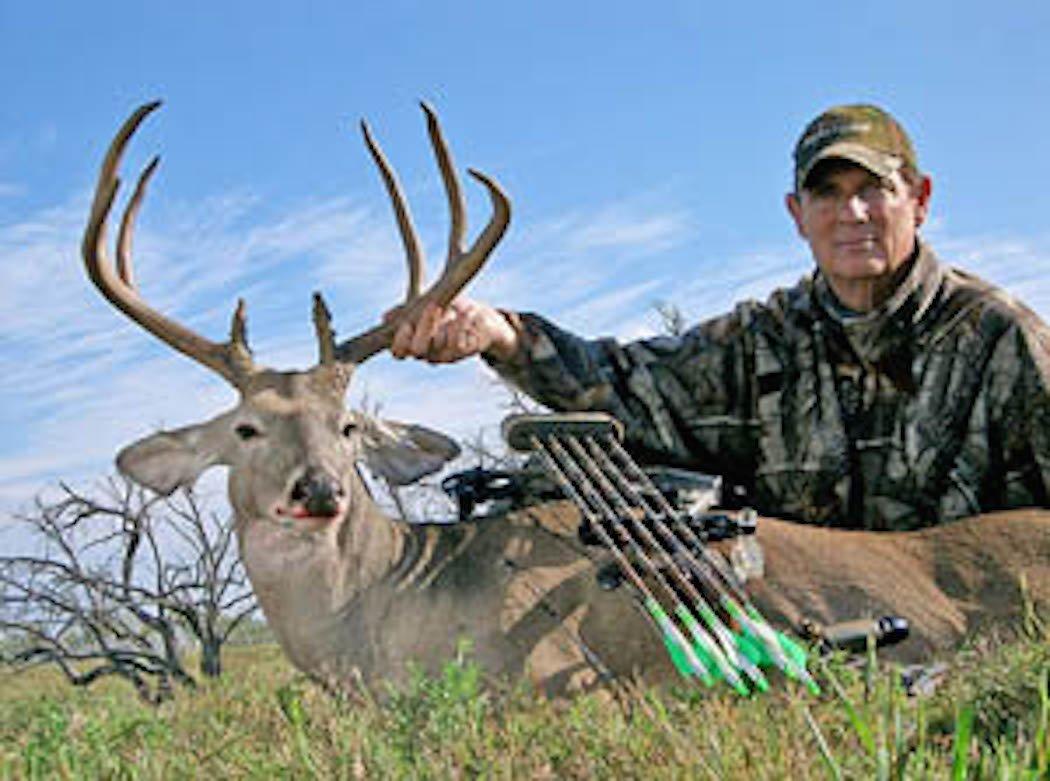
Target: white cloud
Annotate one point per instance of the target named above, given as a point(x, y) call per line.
point(79, 381)
point(612, 229)
point(1019, 265)
point(1016, 264)
point(718, 284)
point(605, 312)
point(565, 261)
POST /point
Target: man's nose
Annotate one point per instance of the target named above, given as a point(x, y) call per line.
point(854, 208)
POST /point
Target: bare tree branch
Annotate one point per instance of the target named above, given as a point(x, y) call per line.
point(121, 584)
point(672, 321)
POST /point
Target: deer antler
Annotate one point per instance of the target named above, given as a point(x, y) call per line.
point(461, 265)
point(231, 359)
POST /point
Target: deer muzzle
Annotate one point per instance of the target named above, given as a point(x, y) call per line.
point(316, 494)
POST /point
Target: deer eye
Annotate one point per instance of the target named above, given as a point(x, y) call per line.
point(247, 431)
point(349, 429)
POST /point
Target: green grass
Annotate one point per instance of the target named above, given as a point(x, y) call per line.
point(262, 720)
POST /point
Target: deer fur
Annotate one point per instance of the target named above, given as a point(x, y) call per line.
point(364, 593)
point(348, 590)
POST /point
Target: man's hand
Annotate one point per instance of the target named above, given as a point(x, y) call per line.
point(460, 330)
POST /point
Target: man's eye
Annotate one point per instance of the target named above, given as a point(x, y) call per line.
point(887, 186)
point(247, 431)
point(349, 429)
point(874, 192)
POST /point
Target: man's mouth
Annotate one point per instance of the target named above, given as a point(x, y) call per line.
point(864, 243)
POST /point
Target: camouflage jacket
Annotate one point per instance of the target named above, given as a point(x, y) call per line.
point(931, 408)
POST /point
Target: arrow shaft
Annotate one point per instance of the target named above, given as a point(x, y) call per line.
point(663, 621)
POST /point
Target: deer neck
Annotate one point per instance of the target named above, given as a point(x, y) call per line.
point(308, 581)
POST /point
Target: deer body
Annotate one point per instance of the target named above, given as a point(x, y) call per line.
point(346, 588)
point(523, 590)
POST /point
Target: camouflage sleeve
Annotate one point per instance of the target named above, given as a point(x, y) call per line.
point(683, 400)
point(1019, 412)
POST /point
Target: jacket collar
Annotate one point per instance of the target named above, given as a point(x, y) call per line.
point(877, 335)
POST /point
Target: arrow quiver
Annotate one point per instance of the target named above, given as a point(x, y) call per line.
point(689, 593)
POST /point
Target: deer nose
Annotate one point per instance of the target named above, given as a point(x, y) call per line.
point(318, 492)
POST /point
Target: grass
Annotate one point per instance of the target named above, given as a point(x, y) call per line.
point(262, 720)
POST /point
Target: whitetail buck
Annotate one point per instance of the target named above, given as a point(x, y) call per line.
point(344, 587)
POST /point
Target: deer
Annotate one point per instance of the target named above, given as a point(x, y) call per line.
point(353, 594)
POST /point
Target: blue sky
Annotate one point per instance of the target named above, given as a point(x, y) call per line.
point(646, 147)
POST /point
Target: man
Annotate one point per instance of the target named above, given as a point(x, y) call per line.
point(884, 391)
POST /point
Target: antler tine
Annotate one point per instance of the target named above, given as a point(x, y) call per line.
point(464, 267)
point(127, 224)
point(232, 359)
point(409, 237)
point(325, 334)
point(456, 204)
point(461, 266)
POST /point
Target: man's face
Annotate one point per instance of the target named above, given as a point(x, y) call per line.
point(861, 228)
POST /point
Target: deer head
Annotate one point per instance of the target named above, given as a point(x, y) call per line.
point(290, 443)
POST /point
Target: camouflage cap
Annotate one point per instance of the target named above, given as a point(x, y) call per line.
point(860, 133)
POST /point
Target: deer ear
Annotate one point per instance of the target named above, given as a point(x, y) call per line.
point(403, 453)
point(174, 459)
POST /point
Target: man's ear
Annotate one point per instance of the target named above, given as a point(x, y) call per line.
point(174, 459)
point(794, 206)
point(923, 190)
point(403, 453)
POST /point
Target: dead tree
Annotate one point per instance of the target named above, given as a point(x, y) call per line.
point(121, 583)
point(672, 321)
